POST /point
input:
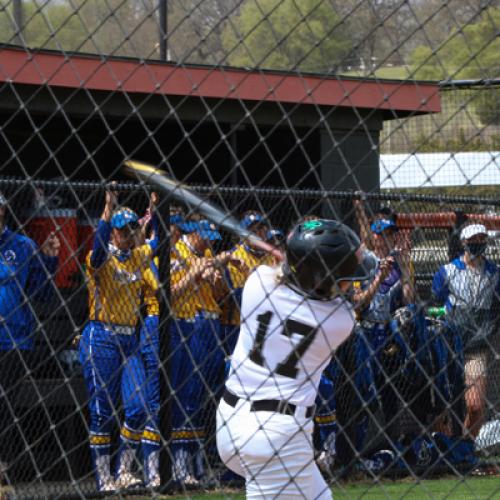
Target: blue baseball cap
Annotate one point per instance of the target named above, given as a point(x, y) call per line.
point(124, 217)
point(187, 227)
point(204, 228)
point(275, 234)
point(380, 225)
point(208, 231)
point(176, 219)
point(250, 220)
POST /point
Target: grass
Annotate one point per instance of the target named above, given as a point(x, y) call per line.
point(469, 488)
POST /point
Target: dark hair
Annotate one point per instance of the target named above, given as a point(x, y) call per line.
point(387, 213)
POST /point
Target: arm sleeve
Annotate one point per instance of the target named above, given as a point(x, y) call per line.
point(154, 241)
point(40, 280)
point(440, 290)
point(101, 241)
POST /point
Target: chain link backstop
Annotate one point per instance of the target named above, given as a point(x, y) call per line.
point(120, 307)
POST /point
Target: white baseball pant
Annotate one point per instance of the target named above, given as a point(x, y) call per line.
point(272, 451)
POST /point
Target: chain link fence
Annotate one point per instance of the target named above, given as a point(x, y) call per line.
point(123, 364)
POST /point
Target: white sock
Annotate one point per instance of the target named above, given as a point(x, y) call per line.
point(127, 457)
point(102, 464)
point(153, 467)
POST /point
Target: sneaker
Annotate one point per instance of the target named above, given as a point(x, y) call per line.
point(190, 482)
point(127, 480)
point(154, 482)
point(325, 461)
point(108, 486)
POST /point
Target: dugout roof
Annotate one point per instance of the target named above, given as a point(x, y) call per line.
point(118, 74)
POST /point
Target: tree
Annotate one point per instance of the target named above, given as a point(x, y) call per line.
point(378, 29)
point(470, 52)
point(286, 34)
point(195, 29)
point(49, 25)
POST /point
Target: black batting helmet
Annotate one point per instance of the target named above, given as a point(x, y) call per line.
point(321, 253)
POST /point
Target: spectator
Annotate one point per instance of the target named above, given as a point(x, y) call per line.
point(116, 282)
point(364, 222)
point(469, 288)
point(26, 273)
point(195, 339)
point(390, 288)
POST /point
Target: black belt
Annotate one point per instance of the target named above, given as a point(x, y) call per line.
point(268, 405)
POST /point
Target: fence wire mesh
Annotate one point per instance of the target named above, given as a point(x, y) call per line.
point(146, 349)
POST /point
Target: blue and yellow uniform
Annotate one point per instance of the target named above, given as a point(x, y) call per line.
point(236, 277)
point(195, 359)
point(141, 394)
point(141, 397)
point(117, 281)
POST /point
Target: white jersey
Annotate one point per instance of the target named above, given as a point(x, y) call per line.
point(285, 341)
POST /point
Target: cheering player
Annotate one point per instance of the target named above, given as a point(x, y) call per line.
point(116, 282)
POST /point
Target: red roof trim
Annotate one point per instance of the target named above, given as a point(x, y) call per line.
point(75, 71)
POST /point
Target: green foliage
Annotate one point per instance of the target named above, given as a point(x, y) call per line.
point(426, 64)
point(488, 106)
point(471, 53)
point(286, 34)
point(52, 27)
point(458, 143)
point(96, 26)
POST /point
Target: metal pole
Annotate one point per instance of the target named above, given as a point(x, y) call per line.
point(163, 213)
point(18, 21)
point(163, 8)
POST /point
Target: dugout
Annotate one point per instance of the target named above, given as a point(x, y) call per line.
point(76, 116)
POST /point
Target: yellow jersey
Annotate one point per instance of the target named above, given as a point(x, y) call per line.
point(116, 288)
point(198, 296)
point(236, 278)
point(151, 290)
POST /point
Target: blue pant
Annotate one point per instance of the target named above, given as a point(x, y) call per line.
point(141, 400)
point(103, 355)
point(230, 335)
point(196, 369)
point(143, 395)
point(325, 415)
